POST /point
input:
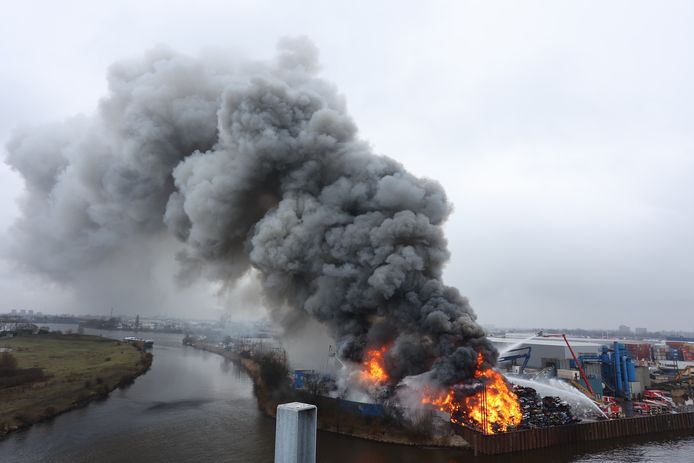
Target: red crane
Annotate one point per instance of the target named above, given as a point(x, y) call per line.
point(573, 354)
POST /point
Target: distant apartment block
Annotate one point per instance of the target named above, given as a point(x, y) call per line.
point(623, 329)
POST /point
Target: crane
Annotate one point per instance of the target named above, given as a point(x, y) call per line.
point(573, 354)
point(509, 357)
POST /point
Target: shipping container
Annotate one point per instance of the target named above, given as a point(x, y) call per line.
point(660, 352)
point(572, 375)
point(675, 353)
point(639, 351)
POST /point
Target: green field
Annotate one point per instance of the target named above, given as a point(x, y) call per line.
point(77, 369)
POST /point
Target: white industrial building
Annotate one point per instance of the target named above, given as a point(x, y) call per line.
point(548, 351)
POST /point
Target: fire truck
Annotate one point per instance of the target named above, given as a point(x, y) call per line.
point(611, 408)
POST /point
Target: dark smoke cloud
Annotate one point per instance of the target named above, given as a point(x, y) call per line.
point(252, 165)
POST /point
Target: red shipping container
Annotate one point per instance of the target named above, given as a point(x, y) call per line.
point(639, 351)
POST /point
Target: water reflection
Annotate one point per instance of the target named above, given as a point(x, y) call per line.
point(341, 449)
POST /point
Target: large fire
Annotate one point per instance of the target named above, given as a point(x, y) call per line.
point(493, 408)
point(373, 370)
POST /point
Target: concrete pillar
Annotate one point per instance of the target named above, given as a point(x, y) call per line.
point(295, 433)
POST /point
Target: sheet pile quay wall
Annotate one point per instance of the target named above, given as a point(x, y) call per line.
point(561, 435)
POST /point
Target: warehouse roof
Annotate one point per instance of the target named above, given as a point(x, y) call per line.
point(543, 342)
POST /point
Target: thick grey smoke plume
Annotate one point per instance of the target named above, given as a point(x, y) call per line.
point(253, 165)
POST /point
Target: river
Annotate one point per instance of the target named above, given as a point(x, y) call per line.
point(194, 406)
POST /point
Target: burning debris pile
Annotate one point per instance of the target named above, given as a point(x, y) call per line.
point(486, 403)
point(542, 412)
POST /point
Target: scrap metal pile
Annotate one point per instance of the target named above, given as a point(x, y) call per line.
point(542, 412)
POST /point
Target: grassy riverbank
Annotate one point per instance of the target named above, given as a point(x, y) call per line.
point(74, 370)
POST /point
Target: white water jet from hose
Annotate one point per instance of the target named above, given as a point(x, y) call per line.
point(515, 345)
point(561, 389)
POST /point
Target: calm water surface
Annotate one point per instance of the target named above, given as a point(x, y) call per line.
point(193, 406)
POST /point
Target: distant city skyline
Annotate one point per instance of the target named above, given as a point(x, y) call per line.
point(511, 329)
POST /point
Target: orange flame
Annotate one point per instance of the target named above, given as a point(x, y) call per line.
point(374, 371)
point(493, 409)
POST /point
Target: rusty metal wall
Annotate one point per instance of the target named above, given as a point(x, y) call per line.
point(581, 432)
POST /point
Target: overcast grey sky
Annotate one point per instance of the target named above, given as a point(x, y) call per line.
point(561, 131)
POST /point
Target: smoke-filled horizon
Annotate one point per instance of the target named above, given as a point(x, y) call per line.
point(251, 165)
